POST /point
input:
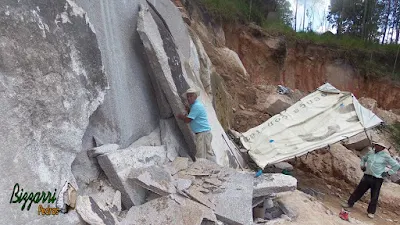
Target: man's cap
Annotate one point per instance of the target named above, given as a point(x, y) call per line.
point(191, 90)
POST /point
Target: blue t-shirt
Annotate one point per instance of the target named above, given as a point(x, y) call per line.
point(199, 118)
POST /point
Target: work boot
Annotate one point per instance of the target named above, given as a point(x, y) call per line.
point(370, 215)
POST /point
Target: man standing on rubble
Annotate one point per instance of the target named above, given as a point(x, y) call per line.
point(373, 164)
point(197, 117)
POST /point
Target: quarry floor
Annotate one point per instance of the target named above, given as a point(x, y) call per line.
point(332, 197)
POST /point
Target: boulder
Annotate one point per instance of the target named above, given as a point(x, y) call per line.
point(119, 164)
point(395, 178)
point(173, 139)
point(268, 184)
point(389, 197)
point(273, 103)
point(337, 165)
point(230, 62)
point(357, 142)
point(51, 81)
point(387, 116)
point(171, 209)
point(369, 103)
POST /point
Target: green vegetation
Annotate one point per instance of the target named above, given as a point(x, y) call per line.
point(358, 46)
point(394, 131)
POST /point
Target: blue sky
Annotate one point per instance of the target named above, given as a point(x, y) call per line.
point(319, 9)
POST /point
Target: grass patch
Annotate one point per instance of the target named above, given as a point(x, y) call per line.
point(394, 132)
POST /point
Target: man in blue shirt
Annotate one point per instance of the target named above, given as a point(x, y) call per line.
point(197, 118)
point(374, 165)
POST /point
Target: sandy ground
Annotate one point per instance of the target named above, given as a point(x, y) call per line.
point(331, 198)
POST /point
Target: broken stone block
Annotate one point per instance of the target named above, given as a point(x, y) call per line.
point(199, 197)
point(154, 179)
point(182, 184)
point(357, 142)
point(168, 210)
point(267, 184)
point(172, 138)
point(94, 152)
point(118, 165)
point(91, 213)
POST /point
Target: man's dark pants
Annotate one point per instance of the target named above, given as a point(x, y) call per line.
point(367, 182)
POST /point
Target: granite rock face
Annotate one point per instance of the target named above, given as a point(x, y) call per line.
point(51, 81)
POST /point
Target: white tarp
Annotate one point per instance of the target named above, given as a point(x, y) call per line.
point(323, 117)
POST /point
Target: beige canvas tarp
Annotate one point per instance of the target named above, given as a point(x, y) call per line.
point(323, 117)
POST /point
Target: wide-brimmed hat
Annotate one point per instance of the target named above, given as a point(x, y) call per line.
point(191, 90)
point(379, 143)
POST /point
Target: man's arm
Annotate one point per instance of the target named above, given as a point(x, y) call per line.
point(364, 159)
point(184, 118)
point(394, 164)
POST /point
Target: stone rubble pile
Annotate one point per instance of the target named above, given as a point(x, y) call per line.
point(154, 190)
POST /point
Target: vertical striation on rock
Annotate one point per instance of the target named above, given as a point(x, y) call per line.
point(52, 81)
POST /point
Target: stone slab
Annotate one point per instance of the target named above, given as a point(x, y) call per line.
point(234, 203)
point(118, 165)
point(199, 197)
point(170, 70)
point(168, 210)
point(154, 179)
point(266, 184)
point(165, 63)
point(182, 184)
point(172, 17)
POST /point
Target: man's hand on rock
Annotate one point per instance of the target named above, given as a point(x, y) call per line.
point(181, 116)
